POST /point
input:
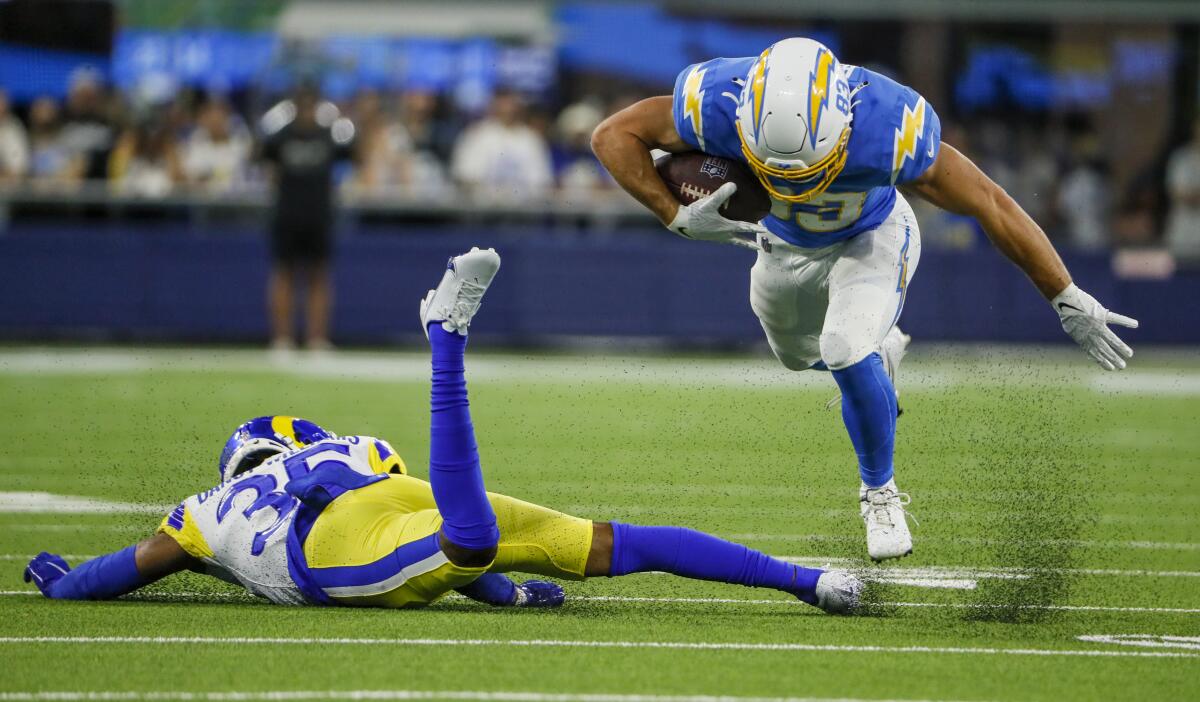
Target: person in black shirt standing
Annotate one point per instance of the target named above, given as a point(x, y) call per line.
point(304, 141)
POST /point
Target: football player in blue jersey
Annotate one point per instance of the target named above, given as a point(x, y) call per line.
point(832, 144)
point(306, 517)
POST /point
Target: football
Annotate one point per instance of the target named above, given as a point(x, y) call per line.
point(693, 175)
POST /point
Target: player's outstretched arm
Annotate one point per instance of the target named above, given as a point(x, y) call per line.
point(108, 576)
point(956, 184)
point(623, 143)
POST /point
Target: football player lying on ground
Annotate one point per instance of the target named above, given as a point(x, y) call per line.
point(339, 523)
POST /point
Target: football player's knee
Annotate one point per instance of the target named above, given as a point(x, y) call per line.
point(841, 350)
point(791, 361)
point(467, 557)
point(599, 560)
point(793, 356)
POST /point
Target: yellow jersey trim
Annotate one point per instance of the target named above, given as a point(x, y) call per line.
point(180, 525)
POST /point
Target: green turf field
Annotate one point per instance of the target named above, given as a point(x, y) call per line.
point(1054, 503)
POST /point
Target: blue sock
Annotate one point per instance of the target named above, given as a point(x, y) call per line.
point(869, 411)
point(102, 578)
point(692, 554)
point(454, 472)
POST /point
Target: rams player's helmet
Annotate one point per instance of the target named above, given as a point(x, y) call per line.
point(793, 119)
point(263, 437)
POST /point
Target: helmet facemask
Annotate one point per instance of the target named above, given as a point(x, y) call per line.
point(261, 438)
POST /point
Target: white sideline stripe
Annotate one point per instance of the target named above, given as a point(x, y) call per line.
point(38, 502)
point(80, 527)
point(936, 583)
point(953, 577)
point(425, 565)
point(247, 597)
point(163, 596)
point(891, 573)
point(1145, 640)
point(934, 605)
point(742, 373)
point(29, 557)
point(1157, 383)
point(566, 643)
point(481, 696)
point(972, 541)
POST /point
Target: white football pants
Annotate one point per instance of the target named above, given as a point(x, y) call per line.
point(836, 303)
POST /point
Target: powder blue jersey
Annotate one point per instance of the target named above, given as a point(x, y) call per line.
point(895, 136)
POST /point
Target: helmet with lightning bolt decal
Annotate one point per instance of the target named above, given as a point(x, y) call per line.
point(793, 119)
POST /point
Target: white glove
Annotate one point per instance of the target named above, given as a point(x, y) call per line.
point(1086, 320)
point(702, 221)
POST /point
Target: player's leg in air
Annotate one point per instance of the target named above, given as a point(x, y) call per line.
point(835, 309)
point(481, 530)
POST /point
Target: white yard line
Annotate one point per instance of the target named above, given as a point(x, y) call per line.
point(163, 596)
point(80, 527)
point(567, 643)
point(739, 372)
point(934, 605)
point(1145, 640)
point(246, 597)
point(22, 502)
point(952, 577)
point(469, 695)
point(29, 556)
point(924, 575)
point(981, 573)
point(973, 541)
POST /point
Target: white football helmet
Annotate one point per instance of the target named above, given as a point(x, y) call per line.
point(793, 118)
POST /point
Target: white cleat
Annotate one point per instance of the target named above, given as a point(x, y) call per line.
point(883, 513)
point(838, 591)
point(457, 298)
point(891, 351)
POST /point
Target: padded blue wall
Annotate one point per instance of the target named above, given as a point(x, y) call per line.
point(175, 282)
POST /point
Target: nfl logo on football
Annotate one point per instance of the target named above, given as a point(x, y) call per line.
point(715, 168)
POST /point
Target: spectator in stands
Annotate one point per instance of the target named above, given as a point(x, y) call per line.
point(501, 158)
point(1037, 172)
point(1183, 189)
point(51, 162)
point(406, 151)
point(87, 129)
point(417, 144)
point(375, 154)
point(145, 162)
point(304, 140)
point(14, 146)
point(575, 166)
point(430, 132)
point(218, 149)
point(1083, 195)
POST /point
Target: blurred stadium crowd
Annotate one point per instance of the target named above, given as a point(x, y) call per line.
point(525, 141)
point(418, 144)
point(413, 143)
